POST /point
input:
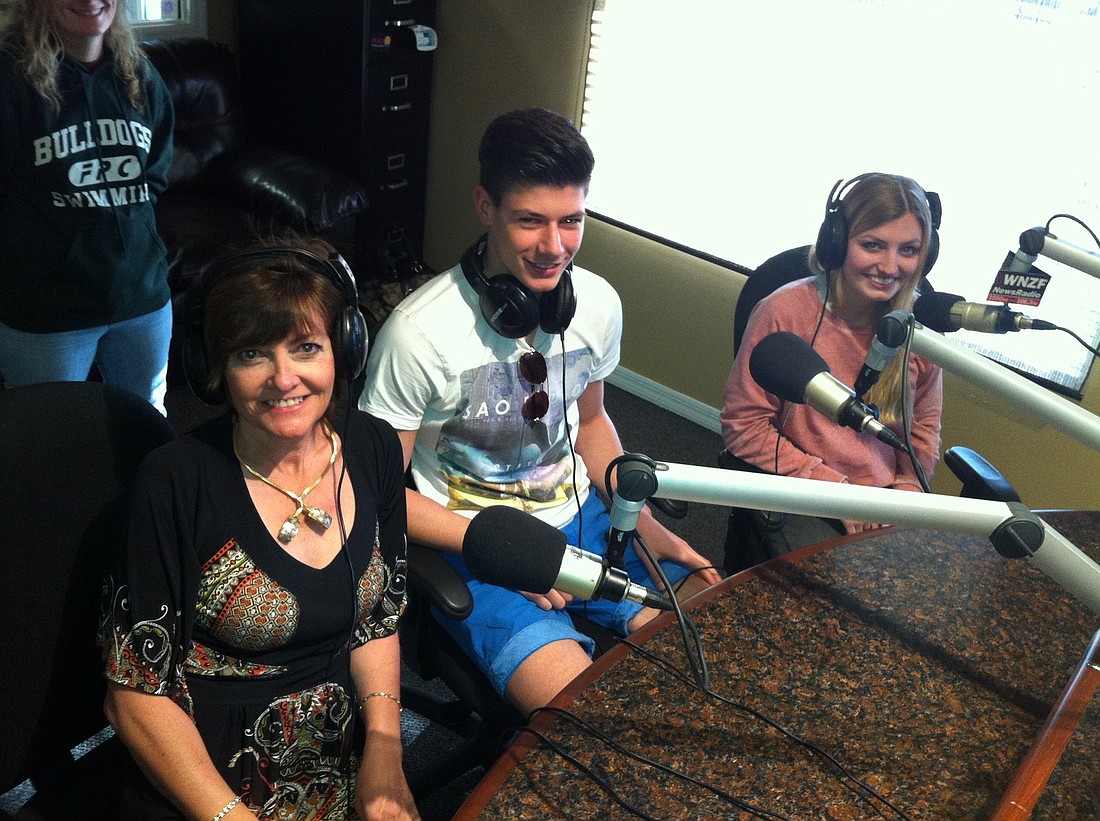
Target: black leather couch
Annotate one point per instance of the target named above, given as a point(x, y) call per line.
point(226, 187)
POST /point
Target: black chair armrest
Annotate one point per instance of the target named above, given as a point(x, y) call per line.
point(979, 478)
point(287, 188)
point(431, 577)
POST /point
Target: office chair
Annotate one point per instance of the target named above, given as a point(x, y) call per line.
point(70, 450)
point(476, 713)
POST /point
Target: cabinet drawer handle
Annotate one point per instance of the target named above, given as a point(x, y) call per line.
point(394, 186)
point(398, 107)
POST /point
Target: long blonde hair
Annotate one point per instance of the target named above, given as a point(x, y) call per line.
point(30, 37)
point(873, 201)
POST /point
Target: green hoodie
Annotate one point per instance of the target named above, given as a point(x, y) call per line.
point(78, 240)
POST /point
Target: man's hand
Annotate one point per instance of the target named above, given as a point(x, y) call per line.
point(554, 600)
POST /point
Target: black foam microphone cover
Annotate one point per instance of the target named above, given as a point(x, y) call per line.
point(510, 548)
point(933, 311)
point(783, 364)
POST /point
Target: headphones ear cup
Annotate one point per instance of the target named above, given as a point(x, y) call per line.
point(196, 364)
point(351, 346)
point(832, 239)
point(933, 251)
point(556, 308)
point(509, 306)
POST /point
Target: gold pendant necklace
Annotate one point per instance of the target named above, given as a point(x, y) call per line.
point(293, 522)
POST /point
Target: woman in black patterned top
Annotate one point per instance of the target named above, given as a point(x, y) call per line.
point(250, 632)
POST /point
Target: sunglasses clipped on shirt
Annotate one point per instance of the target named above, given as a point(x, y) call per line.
point(532, 370)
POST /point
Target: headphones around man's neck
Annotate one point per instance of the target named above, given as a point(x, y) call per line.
point(511, 308)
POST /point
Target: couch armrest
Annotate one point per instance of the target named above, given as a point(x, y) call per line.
point(286, 187)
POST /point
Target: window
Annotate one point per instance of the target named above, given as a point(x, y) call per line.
point(723, 124)
point(167, 18)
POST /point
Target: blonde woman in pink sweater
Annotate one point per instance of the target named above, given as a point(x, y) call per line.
point(878, 238)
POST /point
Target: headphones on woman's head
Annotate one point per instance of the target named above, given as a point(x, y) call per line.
point(511, 308)
point(349, 340)
point(832, 237)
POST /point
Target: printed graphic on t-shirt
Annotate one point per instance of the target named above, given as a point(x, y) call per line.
point(491, 454)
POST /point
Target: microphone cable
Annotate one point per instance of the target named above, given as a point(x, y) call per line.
point(1080, 340)
point(693, 643)
point(600, 735)
point(851, 781)
point(591, 774)
point(345, 548)
point(689, 633)
point(776, 521)
point(907, 408)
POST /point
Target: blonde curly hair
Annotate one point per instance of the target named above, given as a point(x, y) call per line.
point(30, 37)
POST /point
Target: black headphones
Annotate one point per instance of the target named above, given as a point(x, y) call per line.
point(511, 308)
point(349, 342)
point(832, 237)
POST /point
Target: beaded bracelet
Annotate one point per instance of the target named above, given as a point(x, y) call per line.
point(390, 696)
point(225, 810)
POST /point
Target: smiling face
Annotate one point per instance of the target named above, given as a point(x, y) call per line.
point(533, 233)
point(81, 25)
point(283, 389)
point(880, 262)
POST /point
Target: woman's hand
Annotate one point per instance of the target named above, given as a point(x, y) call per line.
point(852, 526)
point(381, 791)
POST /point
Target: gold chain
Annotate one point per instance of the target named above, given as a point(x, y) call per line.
point(293, 522)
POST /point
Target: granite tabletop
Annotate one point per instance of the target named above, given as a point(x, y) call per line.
point(902, 674)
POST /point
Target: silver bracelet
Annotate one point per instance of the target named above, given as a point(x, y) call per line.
point(225, 810)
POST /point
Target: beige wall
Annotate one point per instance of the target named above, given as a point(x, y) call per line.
point(500, 54)
point(495, 55)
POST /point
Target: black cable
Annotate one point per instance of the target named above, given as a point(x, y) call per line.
point(693, 642)
point(1078, 221)
point(346, 550)
point(1096, 240)
point(1083, 343)
point(868, 791)
point(588, 771)
point(696, 658)
point(778, 525)
point(599, 735)
point(679, 585)
point(569, 439)
point(907, 408)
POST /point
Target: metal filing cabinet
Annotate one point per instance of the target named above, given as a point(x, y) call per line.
point(348, 82)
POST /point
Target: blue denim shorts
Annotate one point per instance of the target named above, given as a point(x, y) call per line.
point(505, 627)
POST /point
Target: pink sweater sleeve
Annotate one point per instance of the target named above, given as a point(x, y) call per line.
point(750, 414)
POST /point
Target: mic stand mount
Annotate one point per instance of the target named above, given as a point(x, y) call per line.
point(1013, 529)
point(1036, 241)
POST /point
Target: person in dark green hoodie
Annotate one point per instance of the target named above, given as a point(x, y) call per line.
point(85, 147)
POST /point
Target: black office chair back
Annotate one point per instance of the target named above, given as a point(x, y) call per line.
point(69, 452)
point(772, 273)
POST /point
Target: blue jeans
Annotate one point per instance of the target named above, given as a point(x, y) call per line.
point(132, 354)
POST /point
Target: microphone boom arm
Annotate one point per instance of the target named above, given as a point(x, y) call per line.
point(1012, 528)
point(1070, 418)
